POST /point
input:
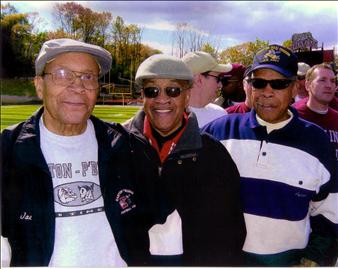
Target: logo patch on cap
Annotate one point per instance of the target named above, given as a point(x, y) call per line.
point(274, 54)
point(271, 56)
point(277, 58)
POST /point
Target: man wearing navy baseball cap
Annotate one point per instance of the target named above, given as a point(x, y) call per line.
point(287, 169)
point(64, 174)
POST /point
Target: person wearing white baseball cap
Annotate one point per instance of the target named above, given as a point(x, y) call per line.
point(301, 90)
point(61, 203)
point(207, 81)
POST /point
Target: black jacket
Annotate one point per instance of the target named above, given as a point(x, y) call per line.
point(26, 186)
point(200, 180)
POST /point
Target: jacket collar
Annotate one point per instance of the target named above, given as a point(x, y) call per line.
point(28, 141)
point(108, 134)
point(251, 120)
point(190, 139)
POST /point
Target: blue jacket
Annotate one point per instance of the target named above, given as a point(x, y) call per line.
point(288, 188)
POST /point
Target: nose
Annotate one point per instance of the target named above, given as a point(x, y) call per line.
point(267, 91)
point(162, 97)
point(77, 85)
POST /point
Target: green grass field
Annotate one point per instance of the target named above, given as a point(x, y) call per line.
point(13, 114)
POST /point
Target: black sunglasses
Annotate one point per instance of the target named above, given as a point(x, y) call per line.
point(225, 81)
point(276, 84)
point(153, 92)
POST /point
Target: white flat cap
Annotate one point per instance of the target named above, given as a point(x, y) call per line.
point(51, 48)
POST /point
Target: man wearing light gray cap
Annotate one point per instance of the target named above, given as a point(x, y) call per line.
point(207, 81)
point(64, 174)
point(191, 178)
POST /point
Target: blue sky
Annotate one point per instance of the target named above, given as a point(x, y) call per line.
point(229, 22)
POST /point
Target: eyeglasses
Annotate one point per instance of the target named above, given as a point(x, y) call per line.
point(153, 92)
point(300, 77)
point(64, 77)
point(276, 84)
point(218, 78)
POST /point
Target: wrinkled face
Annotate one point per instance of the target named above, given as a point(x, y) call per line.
point(165, 113)
point(67, 106)
point(210, 86)
point(322, 87)
point(272, 105)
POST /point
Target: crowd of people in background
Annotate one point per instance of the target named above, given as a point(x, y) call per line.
point(224, 165)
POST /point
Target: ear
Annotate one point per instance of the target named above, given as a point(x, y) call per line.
point(38, 83)
point(198, 79)
point(142, 94)
point(294, 89)
point(187, 97)
point(307, 85)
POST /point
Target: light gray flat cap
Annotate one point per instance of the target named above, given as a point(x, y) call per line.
point(51, 48)
point(163, 66)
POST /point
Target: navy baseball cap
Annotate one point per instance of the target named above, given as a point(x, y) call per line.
point(277, 58)
point(247, 71)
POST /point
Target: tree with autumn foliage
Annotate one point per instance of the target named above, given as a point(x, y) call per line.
point(79, 22)
point(18, 43)
point(242, 53)
point(21, 41)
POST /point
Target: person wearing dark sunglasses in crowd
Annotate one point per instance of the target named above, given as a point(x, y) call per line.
point(287, 169)
point(301, 72)
point(232, 91)
point(191, 177)
point(207, 82)
point(245, 106)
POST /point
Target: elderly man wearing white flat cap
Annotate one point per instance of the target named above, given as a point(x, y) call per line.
point(191, 177)
point(63, 170)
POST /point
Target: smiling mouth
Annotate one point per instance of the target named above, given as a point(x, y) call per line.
point(162, 110)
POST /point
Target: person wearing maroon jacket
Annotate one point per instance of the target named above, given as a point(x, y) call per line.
point(245, 106)
point(320, 83)
point(232, 91)
point(321, 105)
point(334, 103)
